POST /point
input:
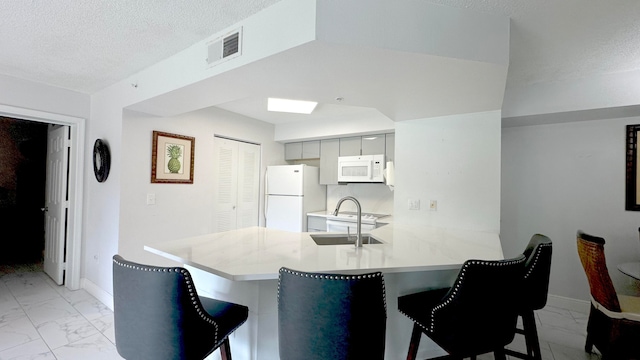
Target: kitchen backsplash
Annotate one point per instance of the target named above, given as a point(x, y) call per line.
point(373, 198)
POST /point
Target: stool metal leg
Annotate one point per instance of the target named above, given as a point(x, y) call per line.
point(225, 350)
point(415, 342)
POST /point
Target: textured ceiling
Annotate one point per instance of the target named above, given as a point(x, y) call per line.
point(88, 45)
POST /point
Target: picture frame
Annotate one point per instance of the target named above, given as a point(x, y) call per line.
point(632, 188)
point(172, 158)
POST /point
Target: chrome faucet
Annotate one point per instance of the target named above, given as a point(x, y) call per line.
point(359, 228)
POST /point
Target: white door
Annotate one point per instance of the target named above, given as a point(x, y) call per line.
point(248, 185)
point(236, 184)
point(56, 202)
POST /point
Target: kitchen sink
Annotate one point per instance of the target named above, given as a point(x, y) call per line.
point(343, 239)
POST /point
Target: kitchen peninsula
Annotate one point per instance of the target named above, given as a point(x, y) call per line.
point(242, 266)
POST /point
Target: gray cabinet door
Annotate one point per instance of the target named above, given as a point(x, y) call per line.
point(293, 151)
point(316, 224)
point(329, 151)
point(311, 149)
point(390, 147)
point(373, 144)
point(350, 146)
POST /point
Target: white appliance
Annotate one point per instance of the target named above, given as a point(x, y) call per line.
point(363, 168)
point(348, 222)
point(292, 191)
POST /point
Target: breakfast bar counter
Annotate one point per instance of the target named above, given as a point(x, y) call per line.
point(257, 253)
point(242, 266)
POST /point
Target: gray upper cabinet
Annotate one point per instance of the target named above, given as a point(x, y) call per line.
point(390, 147)
point(311, 149)
point(302, 150)
point(373, 144)
point(350, 146)
point(293, 151)
point(329, 152)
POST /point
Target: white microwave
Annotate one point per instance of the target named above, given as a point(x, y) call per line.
point(363, 168)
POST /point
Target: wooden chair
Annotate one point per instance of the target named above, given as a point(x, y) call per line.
point(535, 289)
point(159, 315)
point(331, 316)
point(477, 315)
point(614, 320)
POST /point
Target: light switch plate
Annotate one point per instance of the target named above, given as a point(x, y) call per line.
point(414, 204)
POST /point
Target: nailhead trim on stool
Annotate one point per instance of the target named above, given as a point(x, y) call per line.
point(192, 294)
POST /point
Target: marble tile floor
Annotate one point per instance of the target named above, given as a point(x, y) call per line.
point(41, 320)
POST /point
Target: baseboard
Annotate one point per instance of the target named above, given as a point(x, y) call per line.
point(97, 292)
point(568, 303)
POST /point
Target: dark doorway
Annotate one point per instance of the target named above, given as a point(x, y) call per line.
point(23, 155)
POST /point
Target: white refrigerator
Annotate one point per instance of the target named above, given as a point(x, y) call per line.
point(292, 191)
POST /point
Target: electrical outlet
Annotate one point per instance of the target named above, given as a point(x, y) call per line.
point(151, 199)
point(433, 205)
point(414, 204)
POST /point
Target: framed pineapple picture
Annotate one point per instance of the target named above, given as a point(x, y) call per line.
point(172, 158)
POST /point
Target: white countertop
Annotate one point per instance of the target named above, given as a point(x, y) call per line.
point(257, 253)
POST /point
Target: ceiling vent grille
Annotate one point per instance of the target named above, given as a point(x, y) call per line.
point(224, 48)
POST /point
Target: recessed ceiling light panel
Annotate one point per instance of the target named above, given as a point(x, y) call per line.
point(291, 106)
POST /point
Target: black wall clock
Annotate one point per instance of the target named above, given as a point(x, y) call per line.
point(101, 160)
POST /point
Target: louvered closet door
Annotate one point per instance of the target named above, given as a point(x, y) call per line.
point(236, 184)
point(248, 185)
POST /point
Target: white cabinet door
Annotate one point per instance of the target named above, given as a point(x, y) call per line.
point(236, 183)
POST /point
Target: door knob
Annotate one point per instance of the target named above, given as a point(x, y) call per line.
point(44, 209)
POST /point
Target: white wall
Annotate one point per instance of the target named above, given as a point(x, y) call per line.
point(181, 210)
point(35, 96)
point(454, 160)
point(354, 123)
point(43, 102)
point(596, 92)
point(416, 26)
point(103, 200)
point(373, 198)
point(559, 178)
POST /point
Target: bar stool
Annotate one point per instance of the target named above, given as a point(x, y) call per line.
point(159, 315)
point(477, 315)
point(534, 293)
point(331, 316)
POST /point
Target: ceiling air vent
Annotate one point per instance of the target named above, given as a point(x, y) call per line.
point(224, 48)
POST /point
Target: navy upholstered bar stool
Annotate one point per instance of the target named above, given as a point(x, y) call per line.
point(477, 315)
point(331, 316)
point(159, 315)
point(534, 293)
